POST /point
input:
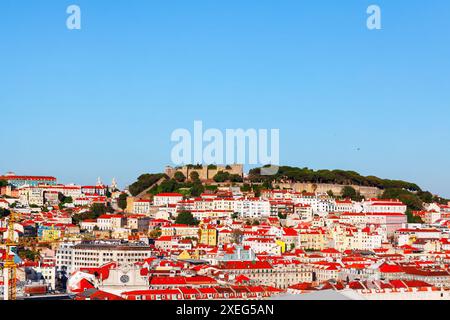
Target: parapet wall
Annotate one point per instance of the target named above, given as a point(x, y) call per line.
point(367, 192)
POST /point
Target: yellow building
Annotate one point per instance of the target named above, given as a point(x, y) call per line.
point(207, 235)
point(282, 244)
point(50, 234)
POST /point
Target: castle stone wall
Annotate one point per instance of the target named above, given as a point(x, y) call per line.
point(367, 192)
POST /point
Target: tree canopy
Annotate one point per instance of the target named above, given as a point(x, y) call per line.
point(95, 211)
point(179, 176)
point(185, 217)
point(194, 176)
point(330, 176)
point(145, 181)
point(351, 193)
point(197, 189)
point(4, 213)
point(223, 176)
point(413, 201)
point(63, 200)
point(122, 201)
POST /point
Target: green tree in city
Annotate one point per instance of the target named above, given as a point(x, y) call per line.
point(122, 201)
point(282, 216)
point(197, 189)
point(186, 217)
point(98, 209)
point(4, 212)
point(63, 200)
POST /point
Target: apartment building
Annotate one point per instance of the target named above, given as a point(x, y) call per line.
point(97, 253)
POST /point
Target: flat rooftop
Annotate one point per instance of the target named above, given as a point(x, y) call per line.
point(111, 245)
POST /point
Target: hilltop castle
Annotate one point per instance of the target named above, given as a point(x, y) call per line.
point(206, 172)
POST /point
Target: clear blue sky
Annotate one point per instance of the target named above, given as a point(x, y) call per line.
point(104, 100)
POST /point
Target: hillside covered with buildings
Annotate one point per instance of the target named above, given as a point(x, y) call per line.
point(215, 232)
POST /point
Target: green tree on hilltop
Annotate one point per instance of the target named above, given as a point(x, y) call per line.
point(179, 176)
point(145, 181)
point(412, 200)
point(221, 176)
point(194, 176)
point(412, 218)
point(351, 193)
point(197, 189)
